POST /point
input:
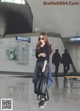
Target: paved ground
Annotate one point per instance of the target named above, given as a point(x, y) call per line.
point(20, 89)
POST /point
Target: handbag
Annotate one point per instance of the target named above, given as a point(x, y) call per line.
point(40, 86)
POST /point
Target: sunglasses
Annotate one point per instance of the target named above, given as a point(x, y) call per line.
point(41, 38)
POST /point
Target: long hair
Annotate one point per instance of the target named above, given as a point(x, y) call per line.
point(46, 42)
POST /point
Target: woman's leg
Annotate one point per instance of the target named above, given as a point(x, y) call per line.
point(42, 101)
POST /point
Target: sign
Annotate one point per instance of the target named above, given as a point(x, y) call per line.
point(23, 38)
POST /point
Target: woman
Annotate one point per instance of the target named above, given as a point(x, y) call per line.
point(43, 51)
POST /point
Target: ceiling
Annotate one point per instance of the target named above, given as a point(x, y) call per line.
point(15, 18)
point(62, 19)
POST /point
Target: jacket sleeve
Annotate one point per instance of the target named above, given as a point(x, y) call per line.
point(36, 54)
point(47, 53)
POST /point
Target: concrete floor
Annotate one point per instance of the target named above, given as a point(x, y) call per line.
point(20, 89)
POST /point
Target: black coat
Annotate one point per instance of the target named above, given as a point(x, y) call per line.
point(56, 58)
point(66, 59)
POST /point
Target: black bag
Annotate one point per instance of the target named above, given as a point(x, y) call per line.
point(40, 86)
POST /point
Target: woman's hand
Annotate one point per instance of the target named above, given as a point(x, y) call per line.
point(42, 54)
point(44, 66)
point(43, 69)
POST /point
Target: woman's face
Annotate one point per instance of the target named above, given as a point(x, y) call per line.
point(41, 39)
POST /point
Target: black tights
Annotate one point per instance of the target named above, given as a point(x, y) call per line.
point(43, 96)
point(66, 69)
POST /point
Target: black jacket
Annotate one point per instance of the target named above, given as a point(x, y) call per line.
point(56, 58)
point(66, 59)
